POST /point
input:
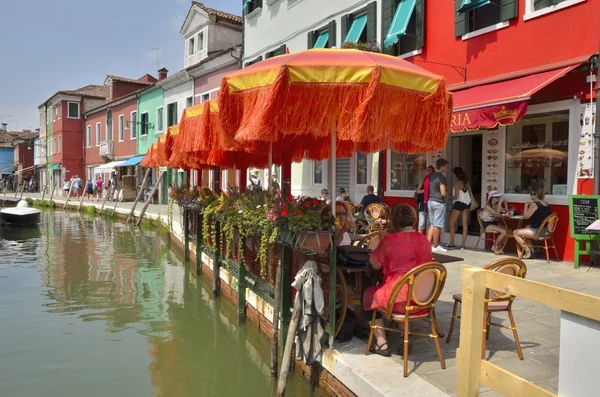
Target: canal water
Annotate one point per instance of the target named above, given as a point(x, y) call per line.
point(92, 307)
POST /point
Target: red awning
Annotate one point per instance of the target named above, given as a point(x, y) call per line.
point(504, 103)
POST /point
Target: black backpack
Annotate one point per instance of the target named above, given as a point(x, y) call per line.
point(350, 255)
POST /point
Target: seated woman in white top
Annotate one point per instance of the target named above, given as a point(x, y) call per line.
point(494, 209)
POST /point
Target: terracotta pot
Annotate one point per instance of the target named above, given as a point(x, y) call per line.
point(317, 242)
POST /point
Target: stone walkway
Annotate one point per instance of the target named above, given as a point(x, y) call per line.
point(538, 327)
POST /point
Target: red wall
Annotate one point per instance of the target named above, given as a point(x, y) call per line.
point(128, 146)
point(71, 133)
point(23, 155)
point(120, 89)
point(92, 154)
point(554, 37)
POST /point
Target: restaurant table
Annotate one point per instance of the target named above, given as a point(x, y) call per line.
point(507, 219)
point(356, 237)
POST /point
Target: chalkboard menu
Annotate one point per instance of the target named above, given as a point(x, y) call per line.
point(583, 211)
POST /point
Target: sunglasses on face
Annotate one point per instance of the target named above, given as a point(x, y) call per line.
point(340, 214)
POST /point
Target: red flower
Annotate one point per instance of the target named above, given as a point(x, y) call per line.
point(284, 213)
point(299, 212)
point(306, 204)
point(315, 202)
point(290, 197)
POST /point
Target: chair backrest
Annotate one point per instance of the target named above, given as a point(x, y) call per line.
point(374, 211)
point(548, 225)
point(509, 266)
point(425, 284)
point(370, 241)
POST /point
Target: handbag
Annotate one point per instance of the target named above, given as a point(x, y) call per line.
point(350, 255)
point(474, 204)
point(419, 197)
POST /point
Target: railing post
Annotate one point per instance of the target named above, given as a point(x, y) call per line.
point(285, 313)
point(217, 260)
point(468, 356)
point(198, 243)
point(241, 276)
point(186, 237)
point(331, 327)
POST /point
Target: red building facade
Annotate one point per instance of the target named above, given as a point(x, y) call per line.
point(519, 71)
point(111, 129)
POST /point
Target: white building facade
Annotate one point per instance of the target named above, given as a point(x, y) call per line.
point(274, 27)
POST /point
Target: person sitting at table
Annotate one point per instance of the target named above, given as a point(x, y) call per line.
point(325, 196)
point(493, 210)
point(537, 210)
point(370, 198)
point(401, 250)
point(343, 215)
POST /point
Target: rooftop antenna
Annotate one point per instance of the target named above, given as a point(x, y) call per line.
point(157, 64)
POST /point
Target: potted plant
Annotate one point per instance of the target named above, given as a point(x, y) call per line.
point(311, 220)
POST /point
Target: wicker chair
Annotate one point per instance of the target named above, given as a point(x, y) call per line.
point(425, 284)
point(498, 302)
point(548, 227)
point(483, 234)
point(378, 216)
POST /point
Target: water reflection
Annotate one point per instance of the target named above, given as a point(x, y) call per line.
point(117, 313)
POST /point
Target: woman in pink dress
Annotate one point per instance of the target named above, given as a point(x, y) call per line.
point(401, 250)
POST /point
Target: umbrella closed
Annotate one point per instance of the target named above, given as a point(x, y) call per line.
point(540, 153)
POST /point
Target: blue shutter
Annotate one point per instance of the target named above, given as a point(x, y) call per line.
point(404, 11)
point(357, 28)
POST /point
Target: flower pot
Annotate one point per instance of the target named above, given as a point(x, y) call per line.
point(314, 242)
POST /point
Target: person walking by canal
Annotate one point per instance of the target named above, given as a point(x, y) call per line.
point(89, 189)
point(98, 188)
point(66, 188)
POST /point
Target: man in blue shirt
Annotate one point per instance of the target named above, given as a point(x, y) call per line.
point(370, 198)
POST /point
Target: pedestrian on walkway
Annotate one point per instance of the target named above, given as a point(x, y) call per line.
point(66, 188)
point(98, 187)
point(436, 204)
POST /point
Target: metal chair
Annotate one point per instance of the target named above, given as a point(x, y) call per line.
point(495, 302)
point(425, 284)
point(545, 233)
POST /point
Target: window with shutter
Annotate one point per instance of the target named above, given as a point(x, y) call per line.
point(361, 25)
point(477, 15)
point(252, 62)
point(323, 37)
point(402, 26)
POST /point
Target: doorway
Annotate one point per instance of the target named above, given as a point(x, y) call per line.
point(467, 153)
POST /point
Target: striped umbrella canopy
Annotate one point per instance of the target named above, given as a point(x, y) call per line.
point(368, 101)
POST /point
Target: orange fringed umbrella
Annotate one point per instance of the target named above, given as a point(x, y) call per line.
point(199, 143)
point(165, 146)
point(367, 101)
point(149, 161)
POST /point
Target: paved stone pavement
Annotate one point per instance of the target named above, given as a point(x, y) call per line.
point(538, 327)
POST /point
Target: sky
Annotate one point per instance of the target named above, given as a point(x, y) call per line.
point(52, 45)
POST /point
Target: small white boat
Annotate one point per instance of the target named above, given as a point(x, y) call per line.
point(20, 215)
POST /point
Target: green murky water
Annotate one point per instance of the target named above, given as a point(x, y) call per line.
point(95, 308)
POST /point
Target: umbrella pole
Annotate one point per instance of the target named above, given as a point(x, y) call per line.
point(270, 182)
point(333, 255)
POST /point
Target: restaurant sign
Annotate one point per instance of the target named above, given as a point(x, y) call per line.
point(488, 117)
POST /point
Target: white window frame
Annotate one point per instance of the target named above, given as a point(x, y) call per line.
point(360, 189)
point(488, 29)
point(313, 167)
point(98, 133)
point(160, 120)
point(55, 113)
point(89, 136)
point(142, 127)
point(209, 92)
point(53, 145)
point(573, 106)
point(201, 34)
point(176, 104)
point(78, 110)
point(388, 192)
point(59, 144)
point(530, 12)
point(109, 90)
point(121, 127)
point(133, 125)
point(191, 46)
point(188, 100)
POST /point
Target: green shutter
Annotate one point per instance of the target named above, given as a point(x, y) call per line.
point(372, 21)
point(388, 7)
point(461, 23)
point(420, 24)
point(332, 35)
point(509, 9)
point(310, 40)
point(539, 4)
point(345, 26)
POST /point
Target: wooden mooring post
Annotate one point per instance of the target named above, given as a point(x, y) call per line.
point(81, 200)
point(68, 196)
point(52, 194)
point(44, 192)
point(160, 176)
point(137, 197)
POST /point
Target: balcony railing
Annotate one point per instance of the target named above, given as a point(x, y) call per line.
point(195, 58)
point(106, 149)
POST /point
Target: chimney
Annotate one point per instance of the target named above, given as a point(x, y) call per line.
point(4, 127)
point(162, 74)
